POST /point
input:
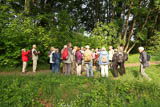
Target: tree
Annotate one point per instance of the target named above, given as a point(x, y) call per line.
point(154, 43)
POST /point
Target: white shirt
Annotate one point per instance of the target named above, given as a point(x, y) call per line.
point(111, 52)
point(51, 61)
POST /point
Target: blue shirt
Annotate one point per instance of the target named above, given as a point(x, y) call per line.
point(102, 53)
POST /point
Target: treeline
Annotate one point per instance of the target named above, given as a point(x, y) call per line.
point(48, 22)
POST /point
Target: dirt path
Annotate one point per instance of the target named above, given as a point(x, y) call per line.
point(138, 64)
point(27, 73)
point(47, 71)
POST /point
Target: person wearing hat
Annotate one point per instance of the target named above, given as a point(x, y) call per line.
point(88, 61)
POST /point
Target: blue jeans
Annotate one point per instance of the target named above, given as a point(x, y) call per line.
point(55, 67)
point(89, 68)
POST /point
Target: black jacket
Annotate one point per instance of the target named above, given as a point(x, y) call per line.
point(143, 59)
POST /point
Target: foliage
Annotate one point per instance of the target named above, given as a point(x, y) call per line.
point(23, 32)
point(154, 44)
point(105, 35)
point(46, 23)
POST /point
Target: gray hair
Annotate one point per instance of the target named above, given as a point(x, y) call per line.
point(34, 45)
point(141, 48)
point(103, 48)
point(87, 47)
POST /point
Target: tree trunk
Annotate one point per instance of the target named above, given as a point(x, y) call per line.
point(155, 21)
point(126, 27)
point(146, 20)
point(27, 7)
point(113, 14)
point(130, 34)
point(147, 17)
point(129, 50)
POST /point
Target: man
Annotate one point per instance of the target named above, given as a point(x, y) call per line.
point(119, 59)
point(144, 62)
point(68, 61)
point(35, 57)
point(111, 53)
point(88, 61)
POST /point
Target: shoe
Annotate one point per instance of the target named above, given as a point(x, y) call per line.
point(34, 72)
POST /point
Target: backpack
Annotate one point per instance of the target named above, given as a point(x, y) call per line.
point(148, 57)
point(120, 57)
point(54, 57)
point(30, 55)
point(65, 54)
point(104, 59)
point(87, 57)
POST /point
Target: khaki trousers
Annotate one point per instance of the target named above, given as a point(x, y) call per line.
point(24, 66)
point(104, 70)
point(34, 65)
point(142, 71)
point(78, 67)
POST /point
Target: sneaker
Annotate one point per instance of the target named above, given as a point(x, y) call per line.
point(23, 72)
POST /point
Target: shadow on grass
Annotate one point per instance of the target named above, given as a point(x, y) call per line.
point(112, 71)
point(135, 73)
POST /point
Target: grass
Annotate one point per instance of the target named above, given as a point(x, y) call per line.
point(130, 90)
point(134, 58)
point(29, 68)
point(59, 90)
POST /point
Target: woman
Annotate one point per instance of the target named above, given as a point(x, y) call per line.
point(51, 58)
point(78, 57)
point(97, 60)
point(49, 53)
point(103, 62)
point(57, 60)
point(25, 59)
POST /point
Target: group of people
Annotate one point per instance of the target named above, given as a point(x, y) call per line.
point(77, 60)
point(84, 59)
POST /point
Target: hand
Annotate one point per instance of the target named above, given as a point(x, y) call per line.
point(38, 52)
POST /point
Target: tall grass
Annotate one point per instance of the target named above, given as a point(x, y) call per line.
point(72, 91)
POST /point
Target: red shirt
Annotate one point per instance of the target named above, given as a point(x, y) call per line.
point(96, 56)
point(25, 56)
